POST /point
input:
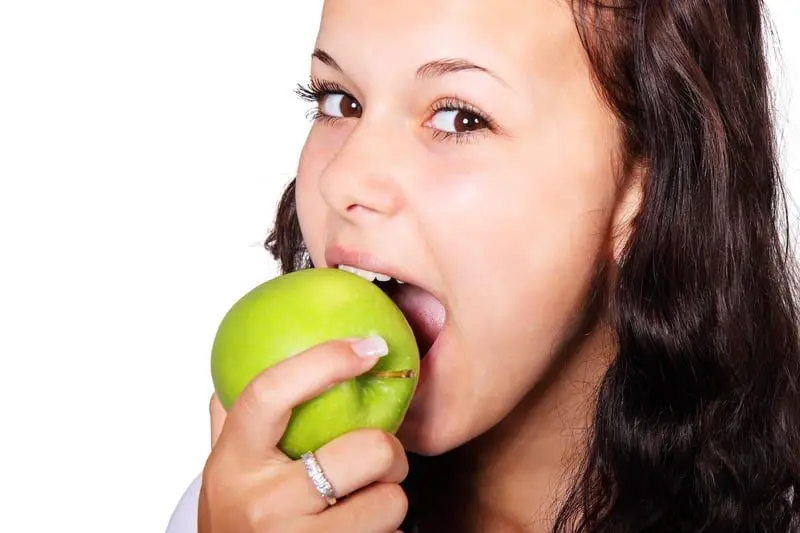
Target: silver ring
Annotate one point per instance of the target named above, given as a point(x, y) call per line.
point(318, 478)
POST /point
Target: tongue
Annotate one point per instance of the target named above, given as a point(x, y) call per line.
point(423, 311)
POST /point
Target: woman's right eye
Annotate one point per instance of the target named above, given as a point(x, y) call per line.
point(339, 105)
point(332, 101)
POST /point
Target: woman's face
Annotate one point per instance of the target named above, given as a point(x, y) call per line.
point(471, 155)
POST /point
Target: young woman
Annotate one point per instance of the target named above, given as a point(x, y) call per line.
point(584, 201)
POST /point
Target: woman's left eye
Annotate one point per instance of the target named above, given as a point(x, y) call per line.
point(457, 121)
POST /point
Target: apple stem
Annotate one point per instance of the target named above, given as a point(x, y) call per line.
point(402, 374)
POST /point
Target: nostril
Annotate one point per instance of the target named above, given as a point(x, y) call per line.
point(357, 209)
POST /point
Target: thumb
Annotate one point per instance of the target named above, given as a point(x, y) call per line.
point(218, 415)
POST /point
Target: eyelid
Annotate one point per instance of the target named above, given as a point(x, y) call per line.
point(315, 89)
point(459, 137)
point(454, 103)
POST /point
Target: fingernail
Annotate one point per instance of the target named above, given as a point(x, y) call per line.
point(373, 346)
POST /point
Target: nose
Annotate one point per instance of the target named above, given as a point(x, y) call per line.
point(361, 180)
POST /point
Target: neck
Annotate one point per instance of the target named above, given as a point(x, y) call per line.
point(528, 462)
point(518, 473)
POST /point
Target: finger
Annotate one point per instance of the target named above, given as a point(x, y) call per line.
point(350, 462)
point(377, 508)
point(218, 415)
point(361, 457)
point(259, 416)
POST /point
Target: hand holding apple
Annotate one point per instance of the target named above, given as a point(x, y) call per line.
point(294, 312)
point(249, 484)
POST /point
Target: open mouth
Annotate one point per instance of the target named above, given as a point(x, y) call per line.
point(423, 311)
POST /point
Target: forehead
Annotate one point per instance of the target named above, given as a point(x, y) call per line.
point(515, 38)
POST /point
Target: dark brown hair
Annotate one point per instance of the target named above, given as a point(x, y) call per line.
point(697, 425)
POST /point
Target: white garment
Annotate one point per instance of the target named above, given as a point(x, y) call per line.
point(184, 517)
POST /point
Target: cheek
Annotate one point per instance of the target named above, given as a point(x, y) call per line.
point(521, 242)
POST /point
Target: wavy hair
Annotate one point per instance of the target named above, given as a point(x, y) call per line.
point(697, 425)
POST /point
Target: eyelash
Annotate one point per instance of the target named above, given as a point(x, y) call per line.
point(456, 104)
point(316, 89)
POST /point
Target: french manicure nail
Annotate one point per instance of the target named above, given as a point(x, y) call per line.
point(373, 346)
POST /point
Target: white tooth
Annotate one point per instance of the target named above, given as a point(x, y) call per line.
point(400, 281)
point(366, 274)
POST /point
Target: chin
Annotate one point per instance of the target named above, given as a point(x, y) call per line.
point(421, 440)
point(434, 423)
point(428, 431)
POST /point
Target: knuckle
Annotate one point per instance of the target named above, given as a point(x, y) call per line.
point(382, 449)
point(209, 476)
point(211, 480)
point(238, 503)
point(253, 511)
point(265, 502)
point(259, 393)
point(394, 502)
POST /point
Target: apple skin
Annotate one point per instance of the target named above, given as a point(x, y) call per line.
point(293, 312)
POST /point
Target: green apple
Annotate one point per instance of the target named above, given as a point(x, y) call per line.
point(291, 313)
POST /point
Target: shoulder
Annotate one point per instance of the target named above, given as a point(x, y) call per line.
point(184, 517)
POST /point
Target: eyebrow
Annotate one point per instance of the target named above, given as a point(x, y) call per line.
point(326, 58)
point(431, 69)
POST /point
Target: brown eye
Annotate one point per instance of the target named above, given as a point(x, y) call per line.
point(457, 121)
point(340, 105)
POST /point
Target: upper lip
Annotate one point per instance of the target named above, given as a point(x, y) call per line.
point(336, 255)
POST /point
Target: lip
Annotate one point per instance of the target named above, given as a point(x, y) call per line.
point(428, 369)
point(426, 362)
point(336, 255)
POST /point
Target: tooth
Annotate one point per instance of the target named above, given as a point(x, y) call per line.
point(366, 274)
point(400, 281)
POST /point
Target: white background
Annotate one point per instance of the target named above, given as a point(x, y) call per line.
point(143, 146)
